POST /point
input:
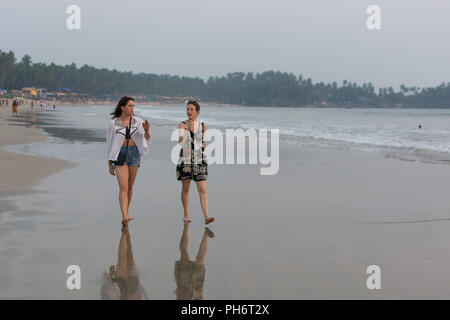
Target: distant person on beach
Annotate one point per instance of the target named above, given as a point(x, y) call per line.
point(192, 164)
point(190, 275)
point(125, 145)
point(14, 108)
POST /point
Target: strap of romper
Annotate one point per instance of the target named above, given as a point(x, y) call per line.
point(203, 132)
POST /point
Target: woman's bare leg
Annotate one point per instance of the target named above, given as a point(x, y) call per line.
point(186, 184)
point(122, 178)
point(130, 258)
point(184, 257)
point(201, 187)
point(200, 259)
point(132, 173)
point(121, 270)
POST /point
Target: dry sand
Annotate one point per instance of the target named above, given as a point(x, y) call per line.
point(19, 172)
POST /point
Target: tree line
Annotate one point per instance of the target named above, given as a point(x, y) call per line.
point(270, 88)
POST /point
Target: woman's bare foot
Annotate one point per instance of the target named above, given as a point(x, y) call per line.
point(125, 222)
point(209, 220)
point(209, 232)
point(187, 219)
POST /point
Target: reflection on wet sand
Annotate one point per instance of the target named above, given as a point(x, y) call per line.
point(33, 119)
point(50, 124)
point(190, 275)
point(122, 282)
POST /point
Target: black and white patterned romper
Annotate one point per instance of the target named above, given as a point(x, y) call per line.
point(192, 163)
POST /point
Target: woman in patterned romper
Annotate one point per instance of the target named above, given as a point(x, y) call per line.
point(192, 164)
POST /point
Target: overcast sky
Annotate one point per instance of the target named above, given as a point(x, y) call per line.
point(325, 40)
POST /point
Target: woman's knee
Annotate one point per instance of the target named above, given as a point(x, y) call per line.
point(123, 188)
point(185, 185)
point(185, 190)
point(201, 188)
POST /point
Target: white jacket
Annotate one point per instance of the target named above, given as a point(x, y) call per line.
point(115, 137)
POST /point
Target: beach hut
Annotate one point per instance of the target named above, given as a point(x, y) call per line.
point(29, 91)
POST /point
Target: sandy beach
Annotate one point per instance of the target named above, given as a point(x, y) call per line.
point(22, 172)
point(309, 232)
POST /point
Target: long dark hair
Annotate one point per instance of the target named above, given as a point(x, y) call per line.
point(122, 103)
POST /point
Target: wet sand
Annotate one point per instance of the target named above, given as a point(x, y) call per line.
point(309, 232)
point(20, 173)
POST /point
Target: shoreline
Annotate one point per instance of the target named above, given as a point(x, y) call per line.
point(26, 102)
point(22, 172)
point(400, 153)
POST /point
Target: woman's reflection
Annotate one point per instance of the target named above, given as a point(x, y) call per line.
point(190, 275)
point(122, 282)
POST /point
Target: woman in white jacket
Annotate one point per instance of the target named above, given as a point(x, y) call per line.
point(137, 134)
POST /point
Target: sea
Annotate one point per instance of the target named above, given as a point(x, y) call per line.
point(406, 134)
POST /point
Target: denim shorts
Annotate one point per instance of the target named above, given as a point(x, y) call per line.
point(133, 157)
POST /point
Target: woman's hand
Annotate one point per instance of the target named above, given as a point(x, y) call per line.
point(181, 133)
point(111, 169)
point(146, 125)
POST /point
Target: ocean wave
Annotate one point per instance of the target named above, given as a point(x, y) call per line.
point(391, 132)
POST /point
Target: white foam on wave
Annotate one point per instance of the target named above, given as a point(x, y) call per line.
point(358, 129)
